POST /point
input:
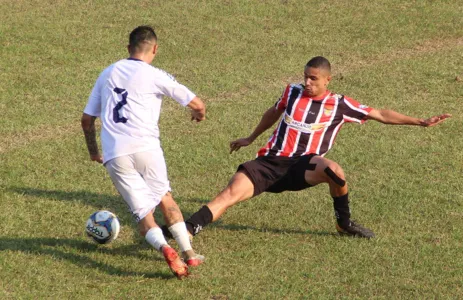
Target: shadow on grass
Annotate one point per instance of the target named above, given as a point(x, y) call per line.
point(233, 227)
point(117, 204)
point(114, 203)
point(67, 249)
point(98, 200)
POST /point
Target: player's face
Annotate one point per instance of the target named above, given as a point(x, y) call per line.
point(316, 81)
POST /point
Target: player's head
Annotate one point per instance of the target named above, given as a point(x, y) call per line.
point(317, 75)
point(142, 40)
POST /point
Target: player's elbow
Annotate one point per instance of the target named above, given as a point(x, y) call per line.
point(87, 122)
point(273, 114)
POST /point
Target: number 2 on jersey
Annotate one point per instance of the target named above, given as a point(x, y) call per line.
point(116, 117)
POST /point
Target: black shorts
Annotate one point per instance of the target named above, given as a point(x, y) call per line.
point(275, 174)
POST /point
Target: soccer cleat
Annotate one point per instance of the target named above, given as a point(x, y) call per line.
point(356, 230)
point(195, 260)
point(176, 265)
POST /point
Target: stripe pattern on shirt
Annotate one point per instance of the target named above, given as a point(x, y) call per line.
point(310, 125)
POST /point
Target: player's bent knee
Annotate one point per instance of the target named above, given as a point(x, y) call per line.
point(142, 229)
point(334, 172)
point(240, 187)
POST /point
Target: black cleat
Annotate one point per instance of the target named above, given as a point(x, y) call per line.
point(356, 230)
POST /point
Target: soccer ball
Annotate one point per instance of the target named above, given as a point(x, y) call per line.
point(103, 227)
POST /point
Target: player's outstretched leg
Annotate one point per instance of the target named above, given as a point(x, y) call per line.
point(177, 229)
point(325, 170)
point(239, 188)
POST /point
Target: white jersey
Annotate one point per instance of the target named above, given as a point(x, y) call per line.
point(127, 96)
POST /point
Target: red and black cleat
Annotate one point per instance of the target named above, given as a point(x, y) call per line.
point(176, 265)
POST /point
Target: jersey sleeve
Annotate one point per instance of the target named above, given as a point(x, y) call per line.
point(171, 88)
point(354, 111)
point(283, 101)
point(93, 107)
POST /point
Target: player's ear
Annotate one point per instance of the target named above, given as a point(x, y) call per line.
point(327, 80)
point(128, 48)
point(155, 49)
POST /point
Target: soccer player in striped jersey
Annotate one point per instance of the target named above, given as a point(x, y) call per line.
point(127, 96)
point(293, 158)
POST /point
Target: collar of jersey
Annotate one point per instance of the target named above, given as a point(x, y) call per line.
point(136, 59)
point(319, 98)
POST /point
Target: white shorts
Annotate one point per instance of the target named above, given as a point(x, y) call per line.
point(141, 179)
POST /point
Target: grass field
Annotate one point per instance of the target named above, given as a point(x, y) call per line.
point(406, 182)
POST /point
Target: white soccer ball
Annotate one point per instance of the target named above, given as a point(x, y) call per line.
point(103, 227)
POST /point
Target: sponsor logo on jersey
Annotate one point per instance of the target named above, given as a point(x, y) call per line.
point(328, 109)
point(303, 127)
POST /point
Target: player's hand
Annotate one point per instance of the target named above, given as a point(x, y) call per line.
point(98, 158)
point(196, 116)
point(435, 120)
point(236, 145)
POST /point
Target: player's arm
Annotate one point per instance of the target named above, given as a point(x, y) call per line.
point(387, 116)
point(198, 109)
point(269, 118)
point(180, 93)
point(88, 126)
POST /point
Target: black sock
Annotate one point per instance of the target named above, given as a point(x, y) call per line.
point(198, 220)
point(166, 232)
point(341, 210)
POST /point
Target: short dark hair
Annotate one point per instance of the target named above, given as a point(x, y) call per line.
point(141, 35)
point(319, 62)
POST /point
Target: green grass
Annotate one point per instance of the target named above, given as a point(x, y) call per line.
point(405, 182)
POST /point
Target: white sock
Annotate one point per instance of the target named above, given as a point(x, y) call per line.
point(180, 234)
point(155, 238)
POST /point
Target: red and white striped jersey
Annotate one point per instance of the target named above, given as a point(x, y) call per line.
point(311, 125)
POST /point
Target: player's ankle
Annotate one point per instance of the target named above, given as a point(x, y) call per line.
point(198, 220)
point(342, 210)
point(181, 236)
point(188, 254)
point(155, 238)
point(343, 223)
point(164, 246)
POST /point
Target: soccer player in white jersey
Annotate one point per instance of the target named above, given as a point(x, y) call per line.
point(127, 97)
